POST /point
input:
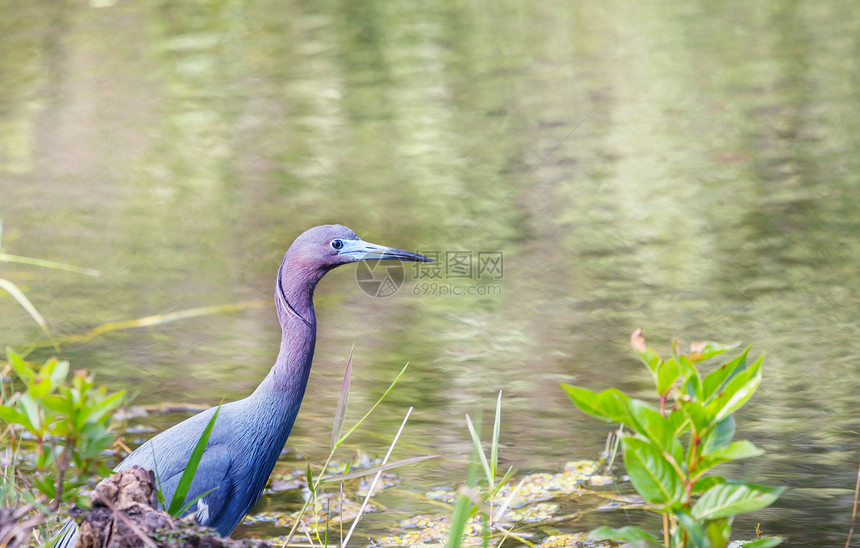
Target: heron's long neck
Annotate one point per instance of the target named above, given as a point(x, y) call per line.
point(294, 303)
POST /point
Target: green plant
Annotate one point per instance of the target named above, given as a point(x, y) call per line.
point(671, 450)
point(481, 500)
point(69, 421)
point(337, 439)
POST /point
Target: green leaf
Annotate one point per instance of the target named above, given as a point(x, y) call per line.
point(667, 373)
point(736, 392)
point(340, 412)
point(633, 535)
point(13, 416)
point(497, 427)
point(696, 536)
point(653, 477)
point(648, 422)
point(737, 450)
point(720, 437)
point(691, 379)
point(716, 379)
point(730, 498)
point(191, 469)
point(719, 531)
point(476, 445)
point(107, 405)
point(705, 483)
point(59, 372)
point(697, 415)
point(22, 368)
point(609, 405)
point(39, 387)
point(31, 409)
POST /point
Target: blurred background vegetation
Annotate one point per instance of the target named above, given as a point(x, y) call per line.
point(689, 167)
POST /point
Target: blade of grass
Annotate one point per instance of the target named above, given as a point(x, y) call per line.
point(158, 492)
point(507, 502)
point(6, 257)
point(195, 499)
point(373, 469)
point(375, 480)
point(494, 449)
point(191, 469)
point(476, 443)
point(25, 303)
point(462, 508)
point(340, 413)
point(382, 397)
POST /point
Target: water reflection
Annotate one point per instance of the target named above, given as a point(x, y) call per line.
point(685, 167)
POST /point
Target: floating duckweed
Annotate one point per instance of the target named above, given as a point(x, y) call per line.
point(573, 539)
point(542, 511)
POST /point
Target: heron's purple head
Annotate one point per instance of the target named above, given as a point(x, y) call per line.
point(322, 248)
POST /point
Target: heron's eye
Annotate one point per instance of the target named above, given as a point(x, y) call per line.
point(337, 244)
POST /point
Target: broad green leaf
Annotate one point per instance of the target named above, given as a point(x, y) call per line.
point(690, 378)
point(31, 410)
point(737, 450)
point(696, 536)
point(720, 437)
point(719, 531)
point(730, 498)
point(654, 478)
point(191, 469)
point(736, 392)
point(633, 535)
point(649, 423)
point(706, 483)
point(59, 372)
point(714, 381)
point(697, 415)
point(667, 373)
point(22, 368)
point(678, 422)
point(39, 387)
point(12, 415)
point(609, 405)
point(107, 405)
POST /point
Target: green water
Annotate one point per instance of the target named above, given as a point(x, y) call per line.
point(692, 168)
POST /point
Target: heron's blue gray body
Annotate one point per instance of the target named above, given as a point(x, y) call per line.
point(249, 434)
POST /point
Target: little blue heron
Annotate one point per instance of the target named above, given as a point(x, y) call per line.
point(249, 434)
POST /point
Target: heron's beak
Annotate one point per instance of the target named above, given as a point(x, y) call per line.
point(359, 250)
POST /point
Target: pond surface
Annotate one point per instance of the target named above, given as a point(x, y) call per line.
point(691, 168)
